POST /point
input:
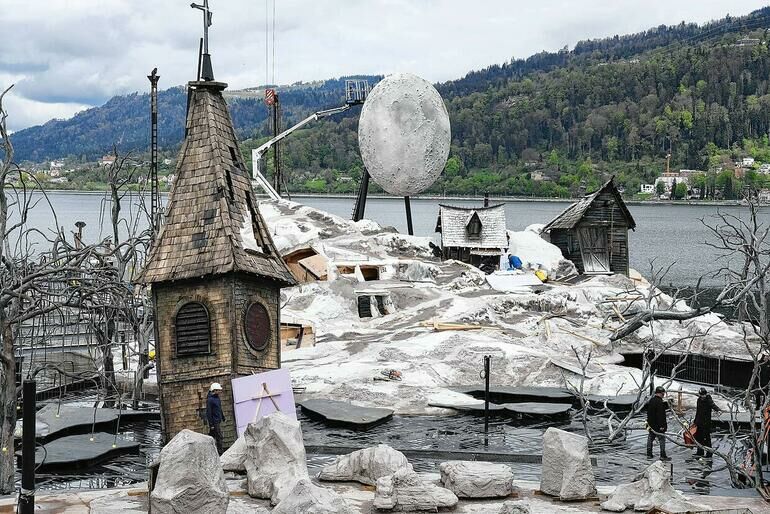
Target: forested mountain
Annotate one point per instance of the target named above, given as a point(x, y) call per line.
point(124, 121)
point(551, 124)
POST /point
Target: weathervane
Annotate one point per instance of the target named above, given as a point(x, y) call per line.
point(207, 72)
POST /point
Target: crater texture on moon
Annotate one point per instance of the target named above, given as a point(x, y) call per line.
point(404, 134)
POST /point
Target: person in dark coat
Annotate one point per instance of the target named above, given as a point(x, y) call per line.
point(214, 415)
point(656, 423)
point(703, 420)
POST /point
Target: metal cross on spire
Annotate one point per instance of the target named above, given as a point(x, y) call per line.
point(207, 72)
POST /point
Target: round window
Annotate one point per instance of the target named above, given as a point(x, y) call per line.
point(256, 325)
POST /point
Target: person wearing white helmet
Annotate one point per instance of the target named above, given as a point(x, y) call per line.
point(214, 415)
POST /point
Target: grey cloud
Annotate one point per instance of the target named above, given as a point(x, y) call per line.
point(66, 54)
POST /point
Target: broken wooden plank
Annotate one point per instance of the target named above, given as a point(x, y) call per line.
point(440, 326)
point(581, 336)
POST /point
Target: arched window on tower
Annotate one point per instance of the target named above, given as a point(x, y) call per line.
point(193, 330)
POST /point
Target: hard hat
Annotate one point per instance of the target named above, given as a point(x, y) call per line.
point(216, 386)
point(658, 389)
point(703, 391)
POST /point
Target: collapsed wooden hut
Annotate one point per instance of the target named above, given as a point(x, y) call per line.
point(473, 235)
point(306, 264)
point(593, 232)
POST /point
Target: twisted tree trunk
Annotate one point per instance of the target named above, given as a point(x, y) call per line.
point(7, 407)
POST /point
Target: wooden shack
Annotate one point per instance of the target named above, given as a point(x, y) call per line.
point(473, 235)
point(593, 232)
point(215, 273)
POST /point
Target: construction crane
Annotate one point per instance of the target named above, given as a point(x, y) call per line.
point(355, 94)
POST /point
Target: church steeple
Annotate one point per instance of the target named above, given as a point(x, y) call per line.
point(216, 275)
point(212, 223)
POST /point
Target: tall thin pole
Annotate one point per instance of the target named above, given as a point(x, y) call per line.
point(27, 496)
point(276, 146)
point(206, 21)
point(408, 207)
point(487, 368)
point(154, 189)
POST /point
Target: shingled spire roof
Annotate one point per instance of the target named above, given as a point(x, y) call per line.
point(212, 223)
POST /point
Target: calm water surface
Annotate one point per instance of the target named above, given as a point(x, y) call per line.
point(665, 233)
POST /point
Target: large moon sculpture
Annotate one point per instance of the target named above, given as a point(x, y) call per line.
point(403, 134)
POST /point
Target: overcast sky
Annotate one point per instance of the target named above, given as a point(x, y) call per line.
point(67, 55)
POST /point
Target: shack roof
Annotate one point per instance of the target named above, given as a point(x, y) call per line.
point(452, 223)
point(575, 212)
point(212, 223)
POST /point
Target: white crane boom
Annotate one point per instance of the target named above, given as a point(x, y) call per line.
point(258, 153)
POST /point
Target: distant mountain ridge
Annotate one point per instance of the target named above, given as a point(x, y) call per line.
point(554, 124)
point(124, 120)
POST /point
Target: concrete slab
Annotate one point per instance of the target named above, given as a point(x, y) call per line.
point(739, 418)
point(54, 421)
point(518, 394)
point(615, 403)
point(476, 408)
point(79, 451)
point(344, 414)
point(538, 410)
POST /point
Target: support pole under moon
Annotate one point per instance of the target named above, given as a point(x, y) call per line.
point(360, 208)
point(408, 206)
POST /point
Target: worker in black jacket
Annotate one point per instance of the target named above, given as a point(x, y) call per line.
point(656, 423)
point(215, 416)
point(703, 420)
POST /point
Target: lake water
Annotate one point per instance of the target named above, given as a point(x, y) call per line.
point(665, 233)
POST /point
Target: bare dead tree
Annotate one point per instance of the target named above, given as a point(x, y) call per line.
point(7, 357)
point(34, 282)
point(744, 262)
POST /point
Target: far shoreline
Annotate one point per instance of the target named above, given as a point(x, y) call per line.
point(433, 197)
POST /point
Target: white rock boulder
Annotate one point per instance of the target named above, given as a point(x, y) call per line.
point(405, 491)
point(275, 457)
point(365, 466)
point(477, 479)
point(515, 507)
point(651, 488)
point(312, 499)
point(190, 477)
point(234, 458)
point(566, 471)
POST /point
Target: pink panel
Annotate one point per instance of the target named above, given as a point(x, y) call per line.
point(258, 395)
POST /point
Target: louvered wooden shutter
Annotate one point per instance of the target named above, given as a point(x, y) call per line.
point(193, 329)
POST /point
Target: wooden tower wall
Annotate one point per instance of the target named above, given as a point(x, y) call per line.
point(184, 380)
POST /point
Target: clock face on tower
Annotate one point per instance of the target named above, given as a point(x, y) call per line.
point(256, 326)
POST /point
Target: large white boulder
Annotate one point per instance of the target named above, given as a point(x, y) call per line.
point(567, 471)
point(477, 479)
point(312, 499)
point(365, 466)
point(275, 457)
point(234, 458)
point(190, 477)
point(651, 488)
point(405, 491)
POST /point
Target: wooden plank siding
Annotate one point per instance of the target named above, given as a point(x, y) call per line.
point(604, 211)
